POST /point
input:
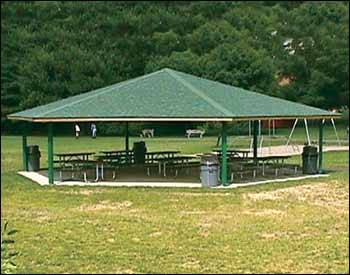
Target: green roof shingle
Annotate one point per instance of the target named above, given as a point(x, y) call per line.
point(169, 94)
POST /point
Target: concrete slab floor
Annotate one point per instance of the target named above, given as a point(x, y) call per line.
point(42, 180)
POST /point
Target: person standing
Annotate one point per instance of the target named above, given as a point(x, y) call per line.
point(93, 130)
point(77, 130)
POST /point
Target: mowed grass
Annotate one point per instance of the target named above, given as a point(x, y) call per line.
point(294, 227)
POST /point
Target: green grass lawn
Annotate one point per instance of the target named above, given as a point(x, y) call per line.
point(294, 227)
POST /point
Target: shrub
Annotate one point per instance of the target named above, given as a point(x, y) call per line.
point(7, 254)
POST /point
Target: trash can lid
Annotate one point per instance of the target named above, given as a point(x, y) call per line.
point(33, 148)
point(209, 163)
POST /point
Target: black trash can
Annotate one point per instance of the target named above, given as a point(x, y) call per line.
point(33, 157)
point(310, 160)
point(209, 170)
point(139, 152)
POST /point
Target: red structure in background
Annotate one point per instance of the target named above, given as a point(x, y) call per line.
point(279, 123)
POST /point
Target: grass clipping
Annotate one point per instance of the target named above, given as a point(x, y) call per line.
point(105, 205)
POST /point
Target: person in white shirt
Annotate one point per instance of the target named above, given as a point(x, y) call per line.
point(77, 130)
point(93, 130)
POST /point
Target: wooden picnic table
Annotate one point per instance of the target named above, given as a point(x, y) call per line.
point(155, 155)
point(247, 164)
point(264, 159)
point(118, 155)
point(199, 132)
point(274, 159)
point(176, 159)
point(64, 158)
point(117, 152)
point(111, 158)
point(231, 153)
point(271, 158)
point(75, 165)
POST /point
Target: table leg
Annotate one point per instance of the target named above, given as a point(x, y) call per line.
point(85, 177)
point(102, 177)
point(263, 168)
point(97, 176)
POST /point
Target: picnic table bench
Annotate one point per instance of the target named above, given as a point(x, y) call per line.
point(64, 158)
point(73, 163)
point(172, 161)
point(117, 159)
point(80, 162)
point(244, 165)
point(117, 152)
point(151, 157)
point(234, 153)
point(244, 168)
point(147, 133)
point(277, 162)
point(121, 155)
point(190, 132)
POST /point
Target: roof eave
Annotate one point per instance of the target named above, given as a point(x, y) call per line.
point(169, 119)
point(11, 117)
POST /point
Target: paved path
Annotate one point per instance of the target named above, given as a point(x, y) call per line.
point(294, 150)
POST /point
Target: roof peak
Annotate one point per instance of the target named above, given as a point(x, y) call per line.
point(167, 69)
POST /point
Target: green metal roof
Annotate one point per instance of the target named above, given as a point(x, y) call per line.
point(169, 95)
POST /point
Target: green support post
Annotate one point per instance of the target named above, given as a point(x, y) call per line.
point(127, 140)
point(24, 148)
point(320, 147)
point(127, 136)
point(224, 154)
point(50, 153)
point(255, 140)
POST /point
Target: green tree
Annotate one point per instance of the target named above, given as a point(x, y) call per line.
point(51, 50)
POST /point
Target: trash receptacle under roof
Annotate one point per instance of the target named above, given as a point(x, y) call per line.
point(169, 95)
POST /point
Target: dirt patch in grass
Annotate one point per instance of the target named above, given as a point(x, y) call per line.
point(85, 192)
point(271, 236)
point(185, 213)
point(184, 194)
point(192, 263)
point(263, 196)
point(265, 212)
point(36, 215)
point(124, 271)
point(41, 216)
point(288, 234)
point(105, 205)
point(327, 195)
point(156, 234)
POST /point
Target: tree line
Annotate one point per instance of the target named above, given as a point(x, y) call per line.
point(55, 49)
